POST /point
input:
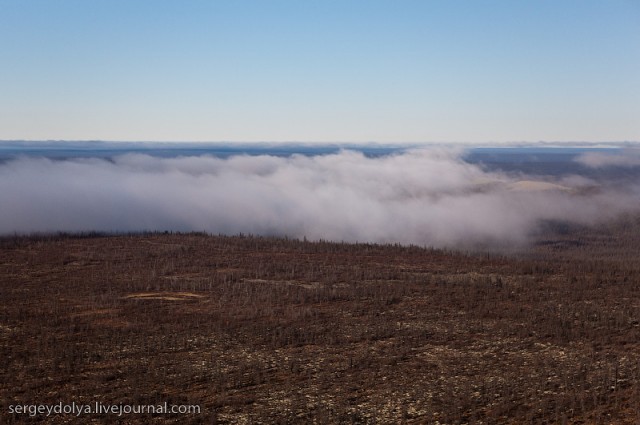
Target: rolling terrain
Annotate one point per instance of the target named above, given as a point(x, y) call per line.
point(268, 330)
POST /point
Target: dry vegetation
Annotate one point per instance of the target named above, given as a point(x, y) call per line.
point(264, 330)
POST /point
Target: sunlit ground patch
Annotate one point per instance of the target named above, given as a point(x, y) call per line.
point(170, 296)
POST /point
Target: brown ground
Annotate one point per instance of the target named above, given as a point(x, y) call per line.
point(258, 330)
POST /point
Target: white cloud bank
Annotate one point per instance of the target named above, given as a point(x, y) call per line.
point(428, 197)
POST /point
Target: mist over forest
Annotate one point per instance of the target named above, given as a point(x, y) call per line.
point(430, 196)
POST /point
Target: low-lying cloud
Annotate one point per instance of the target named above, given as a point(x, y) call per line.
point(427, 197)
point(624, 158)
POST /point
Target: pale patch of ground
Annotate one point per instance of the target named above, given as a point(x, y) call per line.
point(170, 296)
point(537, 186)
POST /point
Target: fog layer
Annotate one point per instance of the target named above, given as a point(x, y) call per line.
point(428, 197)
point(626, 158)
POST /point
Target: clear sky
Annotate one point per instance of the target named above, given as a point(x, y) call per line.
point(320, 70)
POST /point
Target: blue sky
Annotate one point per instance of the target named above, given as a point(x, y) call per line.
point(310, 70)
